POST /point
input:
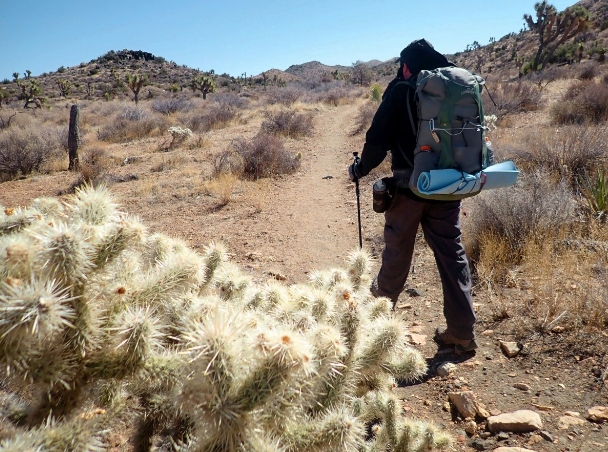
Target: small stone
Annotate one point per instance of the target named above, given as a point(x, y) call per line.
point(597, 414)
point(572, 413)
point(487, 333)
point(534, 439)
point(446, 407)
point(482, 444)
point(512, 449)
point(414, 292)
point(517, 421)
point(485, 435)
point(546, 435)
point(427, 403)
point(566, 422)
point(464, 402)
point(511, 349)
point(558, 329)
point(522, 386)
point(481, 411)
point(446, 369)
point(417, 339)
point(470, 427)
point(502, 436)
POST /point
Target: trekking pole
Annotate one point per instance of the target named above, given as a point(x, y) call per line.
point(356, 157)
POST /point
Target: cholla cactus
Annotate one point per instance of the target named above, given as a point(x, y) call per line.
point(178, 135)
point(228, 363)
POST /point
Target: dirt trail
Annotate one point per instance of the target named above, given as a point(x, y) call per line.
point(312, 217)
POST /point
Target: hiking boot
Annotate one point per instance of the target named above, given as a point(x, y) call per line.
point(460, 345)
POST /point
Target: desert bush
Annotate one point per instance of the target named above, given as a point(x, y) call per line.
point(171, 105)
point(231, 100)
point(511, 97)
point(568, 153)
point(287, 123)
point(589, 72)
point(508, 216)
point(594, 190)
point(285, 96)
point(217, 116)
point(23, 151)
point(265, 156)
point(365, 117)
point(132, 123)
point(227, 162)
point(585, 102)
point(112, 317)
point(375, 93)
point(335, 96)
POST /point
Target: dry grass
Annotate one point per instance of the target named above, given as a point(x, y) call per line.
point(222, 187)
point(287, 123)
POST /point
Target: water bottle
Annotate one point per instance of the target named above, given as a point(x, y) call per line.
point(381, 196)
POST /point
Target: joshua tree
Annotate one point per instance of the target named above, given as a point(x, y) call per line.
point(135, 82)
point(204, 84)
point(553, 29)
point(65, 87)
point(31, 92)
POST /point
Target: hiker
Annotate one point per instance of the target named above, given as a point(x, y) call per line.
point(392, 130)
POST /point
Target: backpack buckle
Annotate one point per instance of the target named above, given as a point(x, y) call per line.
point(482, 179)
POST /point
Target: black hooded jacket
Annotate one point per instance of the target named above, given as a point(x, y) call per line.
point(391, 128)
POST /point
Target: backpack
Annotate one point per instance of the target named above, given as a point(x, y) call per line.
point(451, 134)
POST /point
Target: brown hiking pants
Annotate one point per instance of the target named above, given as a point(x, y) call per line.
point(440, 223)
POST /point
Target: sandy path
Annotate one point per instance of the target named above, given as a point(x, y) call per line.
point(310, 225)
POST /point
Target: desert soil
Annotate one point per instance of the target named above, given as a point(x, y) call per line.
point(285, 227)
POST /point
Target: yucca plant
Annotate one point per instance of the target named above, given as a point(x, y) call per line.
point(595, 192)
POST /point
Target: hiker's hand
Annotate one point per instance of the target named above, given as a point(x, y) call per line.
point(353, 173)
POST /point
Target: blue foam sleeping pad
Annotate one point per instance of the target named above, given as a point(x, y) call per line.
point(451, 181)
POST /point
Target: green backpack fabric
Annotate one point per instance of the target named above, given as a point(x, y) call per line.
point(451, 132)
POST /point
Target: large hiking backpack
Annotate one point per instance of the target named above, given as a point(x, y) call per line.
point(451, 133)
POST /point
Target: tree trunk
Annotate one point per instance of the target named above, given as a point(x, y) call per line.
point(74, 138)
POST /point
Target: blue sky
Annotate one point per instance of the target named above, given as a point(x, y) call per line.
point(237, 36)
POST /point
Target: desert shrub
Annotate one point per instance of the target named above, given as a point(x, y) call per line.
point(364, 117)
point(589, 72)
point(23, 151)
point(594, 190)
point(287, 123)
point(568, 153)
point(217, 116)
point(170, 105)
point(585, 102)
point(335, 96)
point(375, 93)
point(230, 100)
point(132, 123)
point(509, 217)
point(227, 162)
point(285, 96)
point(511, 97)
point(265, 156)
